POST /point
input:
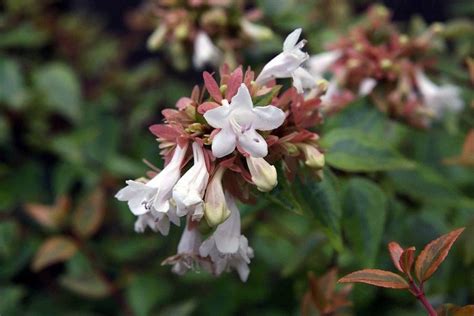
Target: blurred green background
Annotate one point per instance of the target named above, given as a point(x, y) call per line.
point(77, 92)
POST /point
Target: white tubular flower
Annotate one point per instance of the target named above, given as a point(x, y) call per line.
point(157, 221)
point(440, 99)
point(303, 80)
point(320, 63)
point(155, 194)
point(314, 158)
point(287, 62)
point(366, 86)
point(227, 248)
point(264, 175)
point(239, 121)
point(215, 206)
point(255, 31)
point(187, 257)
point(205, 52)
point(331, 92)
point(189, 190)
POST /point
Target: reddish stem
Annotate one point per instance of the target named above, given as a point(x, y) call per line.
point(420, 295)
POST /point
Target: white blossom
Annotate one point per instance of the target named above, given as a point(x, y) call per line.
point(187, 257)
point(189, 190)
point(227, 248)
point(440, 99)
point(288, 64)
point(154, 195)
point(205, 52)
point(239, 121)
point(320, 63)
point(366, 86)
point(157, 221)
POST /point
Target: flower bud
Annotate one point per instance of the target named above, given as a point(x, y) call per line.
point(386, 63)
point(157, 38)
point(314, 158)
point(255, 31)
point(215, 206)
point(264, 175)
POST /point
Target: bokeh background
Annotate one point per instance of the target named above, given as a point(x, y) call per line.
point(78, 89)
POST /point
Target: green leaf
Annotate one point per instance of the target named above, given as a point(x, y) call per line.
point(144, 292)
point(364, 212)
point(321, 200)
point(430, 185)
point(12, 90)
point(87, 284)
point(266, 99)
point(11, 300)
point(354, 151)
point(24, 36)
point(60, 88)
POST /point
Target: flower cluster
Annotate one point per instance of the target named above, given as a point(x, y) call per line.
point(213, 30)
point(219, 144)
point(376, 59)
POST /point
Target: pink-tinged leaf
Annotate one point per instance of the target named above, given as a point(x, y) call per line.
point(453, 310)
point(206, 106)
point(407, 259)
point(233, 83)
point(196, 94)
point(376, 277)
point(164, 131)
point(395, 251)
point(183, 103)
point(53, 250)
point(434, 254)
point(89, 214)
point(50, 216)
point(248, 77)
point(212, 87)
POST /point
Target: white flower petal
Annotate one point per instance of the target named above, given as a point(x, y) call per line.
point(217, 117)
point(224, 143)
point(366, 86)
point(242, 99)
point(205, 52)
point(320, 63)
point(291, 40)
point(302, 80)
point(227, 234)
point(268, 118)
point(253, 143)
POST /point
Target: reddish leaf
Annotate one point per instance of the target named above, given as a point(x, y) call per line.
point(395, 253)
point(49, 216)
point(89, 214)
point(434, 254)
point(453, 310)
point(212, 87)
point(164, 131)
point(54, 250)
point(406, 260)
point(233, 83)
point(206, 106)
point(376, 277)
point(183, 103)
